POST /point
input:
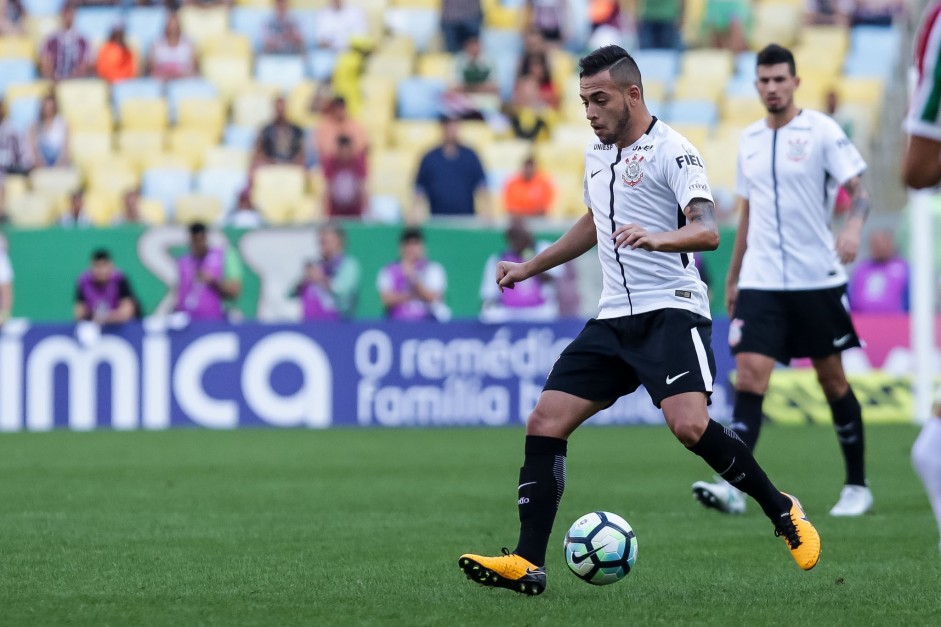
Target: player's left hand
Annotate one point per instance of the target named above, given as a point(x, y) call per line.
point(847, 245)
point(635, 236)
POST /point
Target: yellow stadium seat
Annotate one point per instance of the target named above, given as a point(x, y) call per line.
point(436, 65)
point(392, 173)
point(298, 104)
point(697, 134)
point(561, 157)
point(395, 66)
point(256, 4)
point(201, 113)
point(730, 132)
point(476, 134)
point(308, 4)
point(190, 144)
point(228, 73)
point(858, 90)
point(233, 44)
point(14, 186)
point(227, 158)
point(165, 160)
point(203, 23)
point(277, 189)
point(576, 135)
point(80, 95)
point(136, 145)
point(113, 174)
point(252, 110)
point(506, 155)
point(91, 121)
point(87, 146)
point(39, 27)
point(569, 201)
point(102, 207)
point(708, 63)
point(694, 87)
point(654, 91)
point(55, 182)
point(415, 135)
point(742, 109)
point(834, 40)
point(17, 48)
point(152, 211)
point(496, 15)
point(140, 114)
point(197, 208)
point(775, 21)
point(34, 89)
point(31, 210)
point(563, 66)
point(817, 64)
point(379, 131)
point(693, 12)
point(417, 4)
point(720, 157)
point(308, 210)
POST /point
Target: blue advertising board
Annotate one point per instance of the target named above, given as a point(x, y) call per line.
point(226, 376)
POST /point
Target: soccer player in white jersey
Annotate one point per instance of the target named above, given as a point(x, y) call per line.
point(922, 169)
point(786, 287)
point(649, 207)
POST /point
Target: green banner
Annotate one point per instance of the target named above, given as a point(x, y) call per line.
point(47, 262)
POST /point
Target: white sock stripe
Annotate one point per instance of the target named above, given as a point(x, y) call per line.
point(558, 471)
point(703, 360)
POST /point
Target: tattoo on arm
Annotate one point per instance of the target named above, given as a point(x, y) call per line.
point(702, 211)
point(861, 203)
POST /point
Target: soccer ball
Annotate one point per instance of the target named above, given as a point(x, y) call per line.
point(600, 548)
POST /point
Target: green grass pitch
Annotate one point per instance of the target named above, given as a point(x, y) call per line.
point(355, 527)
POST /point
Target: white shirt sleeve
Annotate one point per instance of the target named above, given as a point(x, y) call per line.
point(840, 157)
point(686, 173)
point(6, 269)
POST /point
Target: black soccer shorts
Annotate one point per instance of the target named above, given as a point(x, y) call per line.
point(669, 351)
point(785, 325)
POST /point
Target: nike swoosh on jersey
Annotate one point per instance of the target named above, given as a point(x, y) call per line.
point(840, 341)
point(595, 172)
point(670, 379)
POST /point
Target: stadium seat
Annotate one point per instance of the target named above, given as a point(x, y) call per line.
point(226, 72)
point(708, 63)
point(136, 88)
point(14, 71)
point(307, 21)
point(298, 104)
point(661, 65)
point(228, 43)
point(775, 21)
point(693, 87)
point(320, 64)
point(740, 87)
point(95, 23)
point(691, 112)
point(285, 71)
point(241, 137)
point(101, 207)
point(419, 25)
point(31, 210)
point(39, 27)
point(397, 67)
point(91, 120)
point(505, 75)
point(14, 186)
point(419, 98)
point(152, 211)
point(415, 135)
point(277, 190)
point(166, 185)
point(43, 7)
point(202, 23)
point(834, 40)
point(392, 174)
point(506, 155)
point(308, 210)
point(135, 145)
point(476, 134)
point(226, 158)
point(23, 113)
point(55, 183)
point(111, 174)
point(250, 22)
point(742, 109)
point(882, 38)
point(500, 43)
point(206, 114)
point(86, 146)
point(252, 110)
point(12, 47)
point(859, 90)
point(36, 89)
point(79, 97)
point(191, 144)
point(141, 114)
point(437, 65)
point(188, 88)
point(165, 160)
point(145, 26)
point(697, 134)
point(222, 183)
point(191, 208)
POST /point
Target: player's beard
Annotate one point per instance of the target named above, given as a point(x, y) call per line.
point(619, 130)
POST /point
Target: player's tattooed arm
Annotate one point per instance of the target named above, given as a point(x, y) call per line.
point(847, 242)
point(700, 232)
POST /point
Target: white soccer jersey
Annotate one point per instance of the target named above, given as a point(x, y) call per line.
point(790, 177)
point(924, 116)
point(649, 183)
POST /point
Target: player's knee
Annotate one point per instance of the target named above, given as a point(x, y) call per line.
point(688, 432)
point(542, 422)
point(748, 379)
point(833, 384)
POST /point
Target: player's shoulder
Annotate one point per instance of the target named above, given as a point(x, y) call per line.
point(666, 137)
point(753, 131)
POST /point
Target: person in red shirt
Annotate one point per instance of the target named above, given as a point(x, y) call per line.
point(529, 193)
point(116, 61)
point(345, 172)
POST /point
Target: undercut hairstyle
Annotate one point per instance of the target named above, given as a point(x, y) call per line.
point(773, 54)
point(615, 59)
point(100, 254)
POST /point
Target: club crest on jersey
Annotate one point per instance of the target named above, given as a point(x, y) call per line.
point(634, 171)
point(797, 149)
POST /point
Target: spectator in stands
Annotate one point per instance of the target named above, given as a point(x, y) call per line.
point(14, 154)
point(607, 23)
point(280, 141)
point(413, 287)
point(130, 210)
point(535, 66)
point(330, 287)
point(208, 277)
point(337, 122)
point(533, 300)
point(172, 56)
point(528, 193)
point(530, 117)
point(65, 53)
point(75, 216)
point(6, 283)
point(282, 33)
point(48, 138)
point(660, 24)
point(116, 61)
point(103, 294)
point(828, 12)
point(448, 176)
point(875, 12)
point(337, 25)
point(12, 18)
point(244, 215)
point(724, 22)
point(349, 67)
point(475, 92)
point(345, 172)
point(460, 20)
point(548, 17)
point(880, 284)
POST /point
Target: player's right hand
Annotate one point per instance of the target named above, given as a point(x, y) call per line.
point(509, 274)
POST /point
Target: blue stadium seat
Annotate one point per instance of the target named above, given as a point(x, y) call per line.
point(14, 71)
point(224, 184)
point(655, 107)
point(166, 185)
point(39, 8)
point(307, 20)
point(145, 26)
point(500, 42)
point(505, 67)
point(283, 70)
point(419, 98)
point(96, 22)
point(873, 64)
point(691, 112)
point(421, 25)
point(250, 21)
point(320, 64)
point(745, 65)
point(741, 86)
point(23, 112)
point(239, 137)
point(147, 88)
point(882, 38)
point(188, 88)
point(661, 65)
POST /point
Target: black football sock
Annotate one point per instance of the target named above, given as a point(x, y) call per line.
point(848, 422)
point(746, 417)
point(542, 481)
point(725, 453)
